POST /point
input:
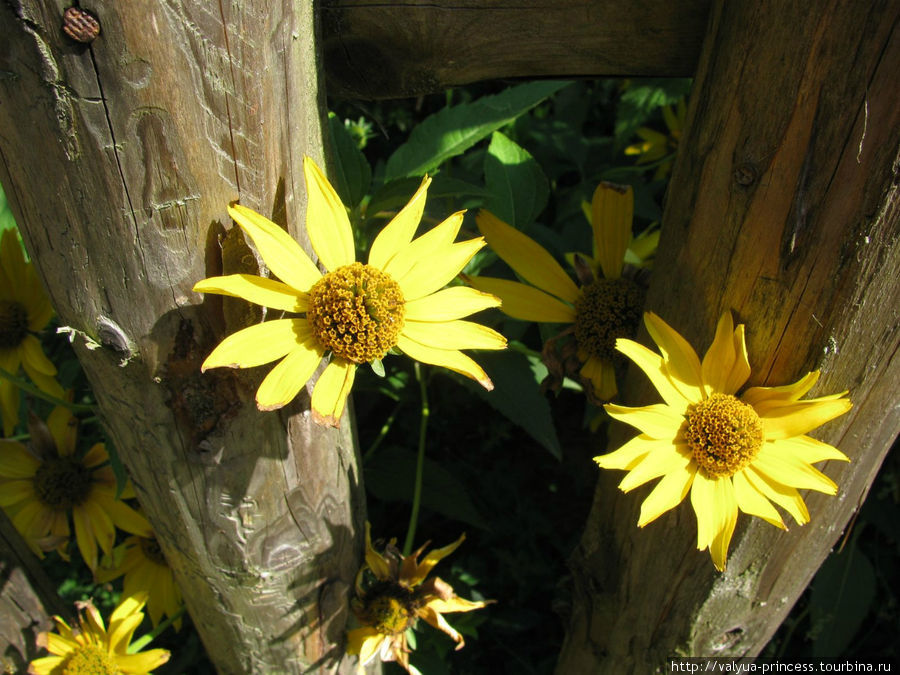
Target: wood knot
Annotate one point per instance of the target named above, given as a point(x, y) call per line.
point(80, 25)
point(745, 174)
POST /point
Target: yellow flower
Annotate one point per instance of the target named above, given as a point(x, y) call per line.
point(730, 452)
point(656, 146)
point(606, 307)
point(145, 568)
point(355, 312)
point(91, 649)
point(24, 311)
point(46, 482)
point(396, 596)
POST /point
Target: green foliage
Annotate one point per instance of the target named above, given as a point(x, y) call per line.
point(518, 187)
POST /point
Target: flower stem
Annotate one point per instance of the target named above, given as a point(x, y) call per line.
point(144, 640)
point(420, 461)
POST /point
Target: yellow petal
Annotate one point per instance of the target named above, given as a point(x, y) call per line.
point(374, 559)
point(453, 334)
point(258, 290)
point(259, 344)
point(436, 620)
point(721, 362)
point(703, 499)
point(437, 239)
point(524, 302)
point(142, 662)
point(447, 358)
point(289, 376)
point(783, 394)
point(666, 459)
point(753, 502)
point(127, 519)
point(331, 392)
point(726, 507)
point(656, 421)
point(602, 376)
point(786, 497)
point(612, 210)
point(47, 665)
point(33, 355)
point(810, 450)
point(800, 417)
point(364, 641)
point(631, 453)
point(681, 361)
point(16, 461)
point(450, 303)
point(433, 557)
point(399, 232)
point(652, 364)
point(668, 493)
point(788, 470)
point(326, 220)
point(436, 269)
point(15, 491)
point(530, 260)
point(278, 249)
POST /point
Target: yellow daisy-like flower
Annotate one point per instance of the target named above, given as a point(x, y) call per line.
point(732, 453)
point(24, 311)
point(656, 146)
point(42, 485)
point(355, 312)
point(608, 304)
point(141, 561)
point(91, 649)
point(392, 594)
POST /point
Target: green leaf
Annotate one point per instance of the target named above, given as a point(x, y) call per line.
point(352, 172)
point(519, 189)
point(517, 395)
point(454, 130)
point(391, 475)
point(842, 595)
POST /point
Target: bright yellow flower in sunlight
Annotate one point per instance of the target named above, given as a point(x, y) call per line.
point(42, 485)
point(24, 311)
point(392, 594)
point(656, 146)
point(355, 312)
point(92, 649)
point(732, 453)
point(607, 306)
point(141, 561)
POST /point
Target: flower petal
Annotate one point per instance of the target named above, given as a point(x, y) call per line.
point(668, 493)
point(432, 558)
point(326, 220)
point(653, 366)
point(436, 269)
point(786, 497)
point(783, 394)
point(374, 559)
point(364, 641)
point(258, 290)
point(666, 459)
point(753, 502)
point(16, 461)
point(259, 344)
point(331, 392)
point(601, 374)
point(681, 361)
point(142, 662)
point(726, 507)
point(810, 450)
point(33, 355)
point(437, 239)
point(447, 358)
point(798, 418)
point(656, 421)
point(289, 376)
point(278, 249)
point(450, 303)
point(631, 453)
point(788, 470)
point(530, 260)
point(703, 499)
point(725, 367)
point(129, 520)
point(453, 334)
point(525, 302)
point(612, 211)
point(399, 232)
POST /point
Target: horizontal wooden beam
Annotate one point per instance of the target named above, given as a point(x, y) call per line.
point(378, 50)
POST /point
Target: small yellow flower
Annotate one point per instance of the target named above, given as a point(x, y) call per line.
point(91, 649)
point(392, 594)
point(141, 561)
point(44, 484)
point(355, 312)
point(656, 146)
point(732, 453)
point(607, 306)
point(24, 311)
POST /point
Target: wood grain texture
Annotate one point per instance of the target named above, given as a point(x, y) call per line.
point(783, 207)
point(119, 158)
point(396, 49)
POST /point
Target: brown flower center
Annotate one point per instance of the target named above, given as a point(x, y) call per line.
point(724, 434)
point(90, 659)
point(607, 309)
point(151, 550)
point(13, 323)
point(357, 312)
point(389, 608)
point(63, 482)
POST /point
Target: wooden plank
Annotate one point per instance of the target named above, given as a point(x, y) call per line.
point(396, 49)
point(783, 207)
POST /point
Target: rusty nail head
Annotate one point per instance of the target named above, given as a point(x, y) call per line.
point(80, 25)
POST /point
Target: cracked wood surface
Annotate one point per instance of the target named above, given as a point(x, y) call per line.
point(118, 158)
point(376, 49)
point(784, 208)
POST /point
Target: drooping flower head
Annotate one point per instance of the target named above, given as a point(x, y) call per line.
point(141, 561)
point(24, 311)
point(606, 306)
point(659, 147)
point(392, 593)
point(92, 649)
point(730, 452)
point(46, 483)
point(355, 313)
